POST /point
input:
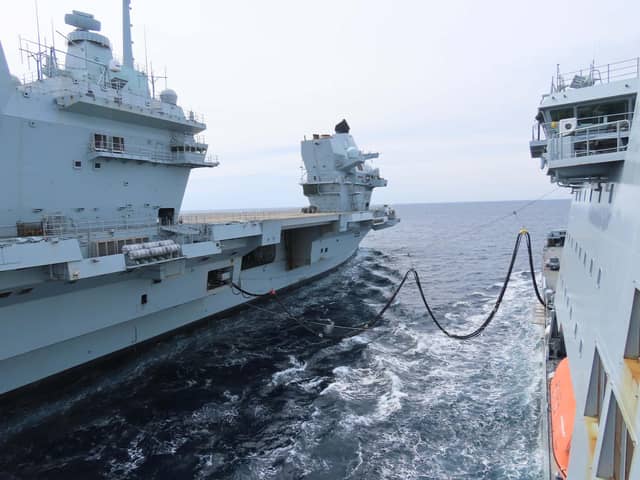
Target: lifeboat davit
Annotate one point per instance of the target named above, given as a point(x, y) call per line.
point(563, 411)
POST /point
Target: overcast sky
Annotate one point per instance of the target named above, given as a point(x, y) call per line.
point(445, 91)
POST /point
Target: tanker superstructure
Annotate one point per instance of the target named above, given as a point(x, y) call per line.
point(94, 254)
point(588, 139)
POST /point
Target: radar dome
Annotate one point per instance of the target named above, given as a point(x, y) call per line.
point(115, 65)
point(169, 96)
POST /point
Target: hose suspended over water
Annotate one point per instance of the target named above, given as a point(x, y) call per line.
point(351, 331)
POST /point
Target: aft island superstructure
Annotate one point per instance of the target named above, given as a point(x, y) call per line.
point(94, 255)
point(588, 138)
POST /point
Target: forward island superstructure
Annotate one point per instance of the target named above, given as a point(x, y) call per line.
point(94, 254)
point(587, 137)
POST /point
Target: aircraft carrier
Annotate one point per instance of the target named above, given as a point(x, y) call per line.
point(587, 138)
point(95, 257)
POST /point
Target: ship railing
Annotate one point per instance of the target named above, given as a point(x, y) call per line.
point(541, 131)
point(195, 152)
point(323, 181)
point(106, 144)
point(593, 74)
point(597, 139)
point(149, 104)
point(61, 226)
point(212, 160)
point(383, 211)
point(87, 230)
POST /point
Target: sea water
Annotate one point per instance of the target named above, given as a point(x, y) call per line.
point(255, 396)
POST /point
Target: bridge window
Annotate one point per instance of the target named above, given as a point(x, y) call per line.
point(561, 113)
point(118, 144)
point(118, 83)
point(602, 112)
point(100, 141)
point(310, 188)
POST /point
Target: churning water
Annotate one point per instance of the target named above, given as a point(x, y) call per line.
point(254, 396)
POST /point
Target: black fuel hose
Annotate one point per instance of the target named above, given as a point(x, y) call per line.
point(351, 331)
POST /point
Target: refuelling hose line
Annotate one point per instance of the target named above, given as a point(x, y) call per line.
point(351, 331)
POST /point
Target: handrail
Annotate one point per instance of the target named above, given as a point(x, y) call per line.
point(94, 91)
point(603, 73)
point(62, 226)
point(617, 123)
point(538, 128)
point(106, 144)
point(585, 136)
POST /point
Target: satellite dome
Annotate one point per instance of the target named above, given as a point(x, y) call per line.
point(169, 96)
point(115, 65)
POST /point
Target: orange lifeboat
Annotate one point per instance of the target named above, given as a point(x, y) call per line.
point(563, 410)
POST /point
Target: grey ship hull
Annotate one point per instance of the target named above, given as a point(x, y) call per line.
point(594, 307)
point(93, 258)
point(61, 326)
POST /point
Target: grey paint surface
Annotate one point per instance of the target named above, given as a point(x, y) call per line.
point(93, 257)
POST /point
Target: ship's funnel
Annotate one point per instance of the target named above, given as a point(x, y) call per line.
point(342, 127)
point(127, 51)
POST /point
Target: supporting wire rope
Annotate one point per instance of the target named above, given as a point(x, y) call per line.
point(328, 328)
